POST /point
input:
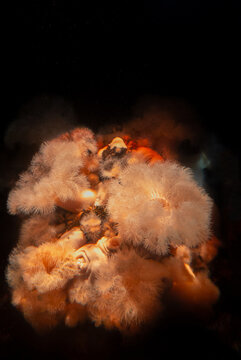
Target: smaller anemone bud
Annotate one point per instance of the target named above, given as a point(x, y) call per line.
point(91, 225)
point(117, 147)
point(90, 220)
point(118, 144)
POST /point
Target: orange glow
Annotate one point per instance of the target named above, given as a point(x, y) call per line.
point(134, 144)
point(150, 155)
point(88, 194)
point(189, 270)
point(118, 143)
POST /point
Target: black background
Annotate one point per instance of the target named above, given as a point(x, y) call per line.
point(102, 59)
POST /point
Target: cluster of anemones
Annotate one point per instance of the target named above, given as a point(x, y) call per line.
point(105, 227)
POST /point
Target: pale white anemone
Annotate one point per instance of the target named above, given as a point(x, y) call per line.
point(55, 176)
point(159, 205)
